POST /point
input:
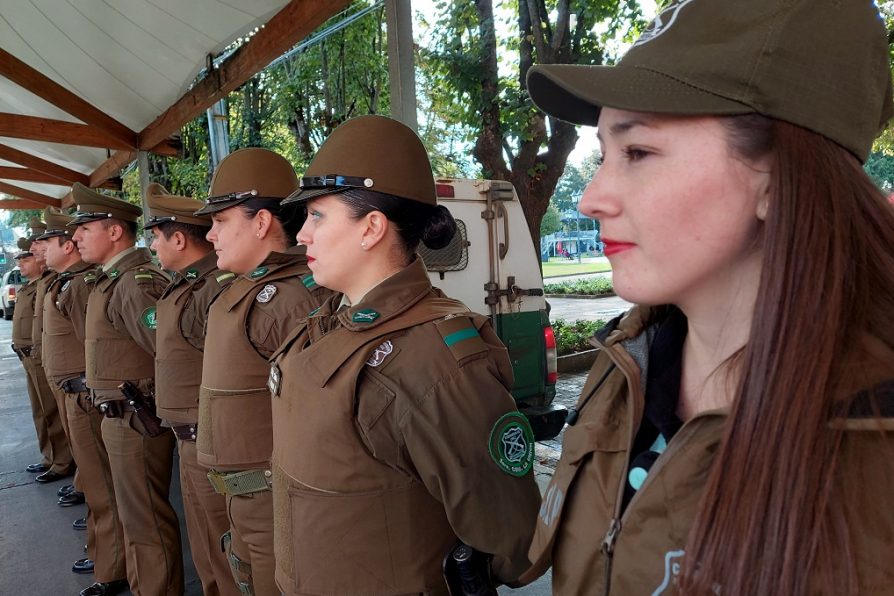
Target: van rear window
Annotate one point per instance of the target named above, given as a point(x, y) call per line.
point(453, 257)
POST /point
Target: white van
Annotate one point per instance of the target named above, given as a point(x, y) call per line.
point(491, 265)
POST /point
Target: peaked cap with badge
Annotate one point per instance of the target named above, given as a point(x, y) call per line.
point(94, 206)
point(165, 207)
point(250, 173)
point(353, 157)
point(57, 222)
point(820, 65)
point(24, 246)
point(38, 228)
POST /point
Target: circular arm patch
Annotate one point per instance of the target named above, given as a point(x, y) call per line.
point(511, 444)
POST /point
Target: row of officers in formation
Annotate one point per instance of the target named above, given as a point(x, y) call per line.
point(390, 437)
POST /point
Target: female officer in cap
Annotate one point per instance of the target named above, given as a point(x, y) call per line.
point(395, 436)
point(267, 293)
point(734, 436)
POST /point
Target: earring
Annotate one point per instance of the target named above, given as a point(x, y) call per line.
point(258, 235)
point(363, 245)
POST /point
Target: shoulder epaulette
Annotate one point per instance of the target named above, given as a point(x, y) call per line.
point(143, 276)
point(225, 278)
point(90, 277)
point(461, 336)
point(309, 282)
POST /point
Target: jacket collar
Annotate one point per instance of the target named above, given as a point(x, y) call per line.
point(197, 270)
point(391, 297)
point(296, 255)
point(123, 262)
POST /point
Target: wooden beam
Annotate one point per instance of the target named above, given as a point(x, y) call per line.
point(294, 22)
point(13, 204)
point(42, 165)
point(29, 175)
point(29, 195)
point(110, 168)
point(33, 128)
point(39, 84)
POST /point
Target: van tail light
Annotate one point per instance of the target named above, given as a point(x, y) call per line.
point(10, 294)
point(552, 363)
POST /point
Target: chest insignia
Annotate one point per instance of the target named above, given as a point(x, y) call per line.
point(367, 315)
point(65, 286)
point(148, 319)
point(274, 381)
point(112, 273)
point(266, 294)
point(379, 355)
point(191, 274)
point(511, 444)
point(259, 272)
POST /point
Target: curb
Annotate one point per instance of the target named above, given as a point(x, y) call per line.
point(577, 362)
point(582, 296)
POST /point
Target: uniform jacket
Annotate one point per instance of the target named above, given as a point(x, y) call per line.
point(246, 323)
point(23, 315)
point(64, 315)
point(43, 284)
point(384, 415)
point(596, 550)
point(182, 311)
point(120, 327)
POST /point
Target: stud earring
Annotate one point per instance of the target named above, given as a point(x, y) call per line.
point(363, 245)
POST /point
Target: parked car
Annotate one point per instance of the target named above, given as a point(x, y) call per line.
point(11, 282)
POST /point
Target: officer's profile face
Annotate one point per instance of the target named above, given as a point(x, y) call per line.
point(55, 253)
point(29, 268)
point(94, 241)
point(236, 243)
point(166, 250)
point(334, 241)
point(39, 250)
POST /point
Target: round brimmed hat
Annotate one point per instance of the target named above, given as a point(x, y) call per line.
point(371, 153)
point(250, 173)
point(38, 228)
point(94, 206)
point(819, 64)
point(57, 221)
point(165, 207)
point(24, 246)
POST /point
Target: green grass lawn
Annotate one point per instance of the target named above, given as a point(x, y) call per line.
point(573, 268)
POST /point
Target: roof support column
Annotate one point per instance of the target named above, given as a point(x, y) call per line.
point(401, 67)
point(217, 130)
point(143, 166)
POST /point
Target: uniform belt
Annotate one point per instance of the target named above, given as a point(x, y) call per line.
point(74, 385)
point(240, 483)
point(186, 432)
point(23, 351)
point(115, 408)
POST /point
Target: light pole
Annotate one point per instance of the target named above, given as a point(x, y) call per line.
point(577, 221)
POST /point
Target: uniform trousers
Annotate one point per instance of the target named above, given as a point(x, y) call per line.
point(47, 420)
point(105, 538)
point(206, 522)
point(141, 473)
point(62, 407)
point(251, 528)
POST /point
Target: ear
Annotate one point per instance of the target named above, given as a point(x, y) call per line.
point(263, 223)
point(179, 241)
point(69, 247)
point(116, 232)
point(377, 226)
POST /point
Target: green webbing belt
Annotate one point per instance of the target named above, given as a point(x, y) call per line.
point(240, 483)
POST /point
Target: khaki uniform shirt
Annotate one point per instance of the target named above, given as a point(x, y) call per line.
point(23, 315)
point(391, 424)
point(595, 549)
point(43, 284)
point(64, 315)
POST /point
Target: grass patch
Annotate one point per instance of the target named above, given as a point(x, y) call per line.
point(599, 286)
point(573, 268)
point(575, 336)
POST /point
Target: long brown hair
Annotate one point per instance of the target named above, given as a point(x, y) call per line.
point(772, 520)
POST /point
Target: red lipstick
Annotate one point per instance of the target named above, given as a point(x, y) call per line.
point(613, 247)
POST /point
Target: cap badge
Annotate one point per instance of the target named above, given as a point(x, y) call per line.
point(148, 319)
point(663, 21)
point(191, 274)
point(367, 315)
point(511, 444)
point(266, 294)
point(259, 272)
point(368, 182)
point(379, 355)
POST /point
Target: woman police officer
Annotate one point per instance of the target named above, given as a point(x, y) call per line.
point(395, 435)
point(736, 436)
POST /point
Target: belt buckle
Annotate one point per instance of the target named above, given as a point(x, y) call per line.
point(217, 482)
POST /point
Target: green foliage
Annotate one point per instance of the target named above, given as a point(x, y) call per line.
point(575, 337)
point(596, 286)
point(880, 167)
point(22, 217)
point(551, 222)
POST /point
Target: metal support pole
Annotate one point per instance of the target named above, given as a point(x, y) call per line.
point(401, 67)
point(217, 131)
point(143, 166)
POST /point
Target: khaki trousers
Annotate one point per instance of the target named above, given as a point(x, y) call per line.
point(206, 522)
point(251, 527)
point(47, 420)
point(141, 473)
point(62, 407)
point(105, 538)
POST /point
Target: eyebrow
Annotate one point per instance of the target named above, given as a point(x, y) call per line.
point(619, 128)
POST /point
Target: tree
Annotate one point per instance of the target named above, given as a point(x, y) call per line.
point(551, 222)
point(507, 132)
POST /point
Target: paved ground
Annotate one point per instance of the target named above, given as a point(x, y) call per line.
point(590, 309)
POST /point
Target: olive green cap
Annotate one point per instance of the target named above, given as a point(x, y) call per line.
point(38, 228)
point(819, 64)
point(94, 206)
point(372, 153)
point(250, 173)
point(57, 221)
point(24, 246)
point(165, 207)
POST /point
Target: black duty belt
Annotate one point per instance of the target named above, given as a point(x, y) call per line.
point(75, 385)
point(23, 351)
point(186, 432)
point(114, 409)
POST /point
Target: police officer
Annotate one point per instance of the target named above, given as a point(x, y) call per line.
point(179, 241)
point(57, 462)
point(251, 233)
point(120, 347)
point(395, 435)
point(64, 313)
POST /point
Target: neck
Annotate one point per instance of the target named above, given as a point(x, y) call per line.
point(190, 256)
point(117, 249)
point(369, 276)
point(72, 260)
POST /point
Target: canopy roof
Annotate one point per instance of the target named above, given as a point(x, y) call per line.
point(86, 84)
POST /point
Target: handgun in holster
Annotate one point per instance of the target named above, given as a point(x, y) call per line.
point(467, 572)
point(143, 409)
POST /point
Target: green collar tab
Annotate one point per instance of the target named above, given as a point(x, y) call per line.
point(259, 272)
point(112, 273)
point(191, 274)
point(367, 315)
point(309, 282)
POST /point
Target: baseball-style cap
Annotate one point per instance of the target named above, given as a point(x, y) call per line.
point(38, 228)
point(371, 153)
point(819, 64)
point(56, 223)
point(165, 207)
point(24, 246)
point(250, 173)
point(93, 206)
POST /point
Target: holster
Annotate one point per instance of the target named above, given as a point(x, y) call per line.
point(467, 572)
point(75, 385)
point(112, 409)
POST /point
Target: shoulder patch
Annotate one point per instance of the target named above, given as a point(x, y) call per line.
point(258, 273)
point(266, 294)
point(511, 444)
point(148, 318)
point(309, 283)
point(461, 336)
point(225, 277)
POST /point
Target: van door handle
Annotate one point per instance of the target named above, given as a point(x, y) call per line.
point(504, 246)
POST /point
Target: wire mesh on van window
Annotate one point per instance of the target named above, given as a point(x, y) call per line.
point(453, 257)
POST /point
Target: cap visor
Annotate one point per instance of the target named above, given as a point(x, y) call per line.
point(576, 93)
point(49, 235)
point(303, 195)
point(82, 219)
point(216, 207)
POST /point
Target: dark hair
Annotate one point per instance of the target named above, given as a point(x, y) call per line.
point(62, 239)
point(773, 517)
point(129, 227)
point(415, 222)
point(195, 234)
point(290, 217)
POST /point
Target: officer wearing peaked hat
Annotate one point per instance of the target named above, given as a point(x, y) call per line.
point(120, 341)
point(253, 235)
point(392, 395)
point(24, 246)
point(179, 241)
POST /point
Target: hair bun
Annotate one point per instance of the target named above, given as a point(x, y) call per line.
point(440, 229)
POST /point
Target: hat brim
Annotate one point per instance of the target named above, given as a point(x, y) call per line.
point(82, 219)
point(577, 93)
point(221, 206)
point(22, 255)
point(52, 234)
point(303, 195)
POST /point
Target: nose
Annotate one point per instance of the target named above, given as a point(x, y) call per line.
point(211, 236)
point(601, 197)
point(304, 236)
point(76, 237)
point(152, 244)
